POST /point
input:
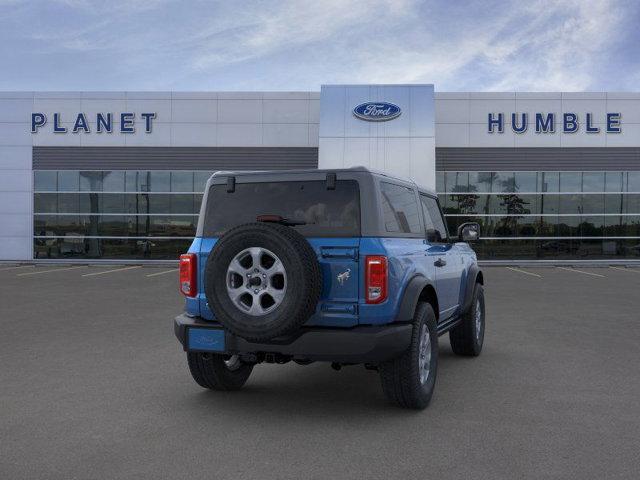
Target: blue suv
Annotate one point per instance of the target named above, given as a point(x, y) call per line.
point(346, 266)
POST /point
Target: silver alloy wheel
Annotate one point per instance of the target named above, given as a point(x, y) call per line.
point(424, 354)
point(256, 281)
point(478, 319)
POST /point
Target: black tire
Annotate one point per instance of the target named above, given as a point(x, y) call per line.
point(401, 377)
point(209, 370)
point(303, 280)
point(466, 339)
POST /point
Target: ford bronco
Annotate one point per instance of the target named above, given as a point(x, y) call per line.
point(347, 266)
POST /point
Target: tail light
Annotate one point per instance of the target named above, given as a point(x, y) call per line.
point(188, 275)
point(376, 280)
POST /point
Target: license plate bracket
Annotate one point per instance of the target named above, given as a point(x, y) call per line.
point(205, 340)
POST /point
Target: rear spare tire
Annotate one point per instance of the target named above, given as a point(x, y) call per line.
point(262, 280)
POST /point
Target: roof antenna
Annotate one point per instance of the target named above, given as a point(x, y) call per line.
point(331, 181)
point(231, 184)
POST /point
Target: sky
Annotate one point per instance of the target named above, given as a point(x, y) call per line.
point(283, 45)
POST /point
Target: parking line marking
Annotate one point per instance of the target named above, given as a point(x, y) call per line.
point(522, 271)
point(581, 271)
point(162, 273)
point(49, 271)
point(626, 269)
point(111, 271)
point(14, 268)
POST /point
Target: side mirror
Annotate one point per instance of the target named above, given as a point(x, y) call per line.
point(469, 232)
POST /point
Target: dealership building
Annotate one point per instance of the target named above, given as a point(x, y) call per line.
point(120, 175)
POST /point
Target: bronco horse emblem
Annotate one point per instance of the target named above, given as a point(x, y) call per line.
point(344, 276)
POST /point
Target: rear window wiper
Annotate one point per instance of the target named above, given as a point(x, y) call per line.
point(279, 219)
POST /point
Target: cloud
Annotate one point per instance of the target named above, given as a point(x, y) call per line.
point(299, 44)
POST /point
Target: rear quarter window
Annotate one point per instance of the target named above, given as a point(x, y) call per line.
point(325, 213)
point(400, 209)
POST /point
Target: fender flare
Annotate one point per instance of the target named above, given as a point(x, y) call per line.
point(410, 298)
point(472, 277)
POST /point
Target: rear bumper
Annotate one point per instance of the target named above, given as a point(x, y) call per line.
point(362, 344)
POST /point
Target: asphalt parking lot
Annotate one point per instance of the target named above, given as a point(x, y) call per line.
point(93, 384)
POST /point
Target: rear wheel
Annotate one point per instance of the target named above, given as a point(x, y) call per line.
point(409, 380)
point(218, 372)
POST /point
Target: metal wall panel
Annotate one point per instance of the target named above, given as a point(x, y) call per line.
point(537, 159)
point(174, 158)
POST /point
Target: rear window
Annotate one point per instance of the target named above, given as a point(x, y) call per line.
point(324, 213)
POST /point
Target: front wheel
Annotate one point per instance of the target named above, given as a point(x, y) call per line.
point(409, 380)
point(467, 338)
point(218, 372)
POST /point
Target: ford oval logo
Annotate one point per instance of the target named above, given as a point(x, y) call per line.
point(377, 111)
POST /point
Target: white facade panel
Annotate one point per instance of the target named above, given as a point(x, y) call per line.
point(452, 134)
point(45, 136)
point(15, 225)
point(92, 106)
point(15, 203)
point(396, 146)
point(479, 109)
point(102, 139)
point(15, 110)
point(478, 137)
point(628, 137)
point(239, 111)
point(285, 135)
point(162, 109)
point(583, 139)
point(161, 136)
point(15, 158)
point(452, 111)
point(194, 111)
point(15, 134)
point(631, 109)
point(16, 248)
point(15, 181)
point(239, 135)
point(193, 134)
point(285, 111)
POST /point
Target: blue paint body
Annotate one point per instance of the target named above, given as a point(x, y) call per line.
point(343, 304)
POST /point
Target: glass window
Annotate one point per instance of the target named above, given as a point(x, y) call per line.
point(112, 203)
point(633, 182)
point(68, 203)
point(631, 203)
point(504, 182)
point(613, 203)
point(571, 203)
point(526, 182)
point(570, 181)
point(593, 182)
point(200, 180)
point(440, 182)
point(113, 181)
point(182, 181)
point(480, 181)
point(400, 209)
point(45, 181)
point(45, 203)
point(158, 182)
point(318, 211)
point(613, 182)
point(181, 204)
point(549, 182)
point(91, 181)
point(135, 179)
point(434, 223)
point(592, 203)
point(68, 181)
point(457, 182)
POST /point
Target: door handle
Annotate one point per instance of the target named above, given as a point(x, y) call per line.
point(440, 262)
